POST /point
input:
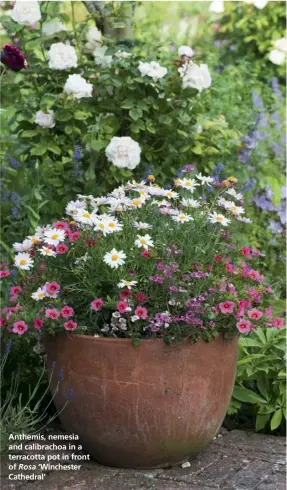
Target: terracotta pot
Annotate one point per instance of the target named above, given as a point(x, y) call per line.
point(145, 407)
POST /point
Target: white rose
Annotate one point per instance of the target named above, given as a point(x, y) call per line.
point(185, 51)
point(260, 4)
point(27, 13)
point(100, 57)
point(276, 57)
point(45, 119)
point(153, 70)
point(195, 76)
point(281, 44)
point(62, 56)
point(123, 54)
point(123, 152)
point(94, 38)
point(78, 86)
point(216, 7)
point(50, 28)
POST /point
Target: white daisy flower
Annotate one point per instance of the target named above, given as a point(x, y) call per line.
point(139, 225)
point(190, 203)
point(47, 251)
point(236, 210)
point(189, 184)
point(224, 203)
point(171, 194)
point(137, 202)
point(232, 192)
point(75, 206)
point(39, 294)
point(25, 246)
point(218, 218)
point(108, 225)
point(54, 236)
point(115, 258)
point(204, 179)
point(126, 284)
point(24, 261)
point(245, 220)
point(182, 218)
point(144, 241)
point(163, 202)
point(34, 239)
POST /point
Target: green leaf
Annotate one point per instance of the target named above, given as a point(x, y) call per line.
point(63, 115)
point(38, 150)
point(261, 421)
point(198, 150)
point(246, 395)
point(97, 145)
point(135, 113)
point(276, 419)
point(55, 149)
point(80, 115)
point(128, 104)
point(263, 385)
point(29, 134)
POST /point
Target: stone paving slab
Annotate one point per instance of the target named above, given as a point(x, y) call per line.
point(235, 460)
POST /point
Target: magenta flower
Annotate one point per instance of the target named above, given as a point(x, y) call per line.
point(97, 304)
point(13, 58)
point(20, 327)
point(52, 288)
point(278, 322)
point(74, 236)
point(140, 297)
point(246, 251)
point(141, 312)
point(4, 274)
point(15, 290)
point(67, 311)
point(38, 323)
point(269, 312)
point(61, 248)
point(61, 225)
point(243, 326)
point(226, 307)
point(125, 294)
point(52, 313)
point(254, 314)
point(122, 306)
point(70, 325)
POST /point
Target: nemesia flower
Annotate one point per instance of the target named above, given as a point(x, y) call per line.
point(23, 261)
point(243, 326)
point(52, 313)
point(70, 325)
point(67, 311)
point(126, 284)
point(47, 251)
point(141, 312)
point(38, 323)
point(144, 241)
point(20, 327)
point(122, 307)
point(115, 258)
point(97, 304)
point(278, 322)
point(226, 307)
point(61, 248)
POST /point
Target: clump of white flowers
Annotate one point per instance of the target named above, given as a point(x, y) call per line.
point(52, 27)
point(278, 55)
point(185, 51)
point(195, 76)
point(101, 58)
point(217, 7)
point(123, 54)
point(78, 87)
point(62, 56)
point(152, 69)
point(259, 4)
point(45, 119)
point(94, 38)
point(123, 152)
point(27, 13)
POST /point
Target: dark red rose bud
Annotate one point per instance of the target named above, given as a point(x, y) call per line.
point(13, 58)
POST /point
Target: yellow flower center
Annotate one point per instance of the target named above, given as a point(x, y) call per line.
point(181, 216)
point(169, 194)
point(55, 236)
point(101, 225)
point(143, 241)
point(41, 294)
point(136, 202)
point(219, 218)
point(114, 257)
point(23, 262)
point(142, 192)
point(86, 215)
point(34, 240)
point(112, 225)
point(188, 183)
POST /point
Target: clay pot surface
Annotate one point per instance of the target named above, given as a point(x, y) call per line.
point(145, 407)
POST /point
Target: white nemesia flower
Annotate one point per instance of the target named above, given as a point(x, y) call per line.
point(123, 152)
point(185, 51)
point(126, 284)
point(23, 261)
point(47, 251)
point(152, 69)
point(182, 218)
point(39, 294)
point(144, 241)
point(281, 44)
point(62, 56)
point(27, 13)
point(54, 236)
point(139, 225)
point(25, 246)
point(50, 28)
point(216, 7)
point(45, 119)
point(78, 87)
point(115, 258)
point(190, 203)
point(123, 54)
point(94, 38)
point(101, 58)
point(232, 192)
point(204, 179)
point(195, 76)
point(218, 218)
point(276, 57)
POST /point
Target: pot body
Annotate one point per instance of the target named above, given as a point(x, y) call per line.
point(146, 407)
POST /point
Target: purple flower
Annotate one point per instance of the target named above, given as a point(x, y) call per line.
point(276, 88)
point(13, 58)
point(274, 227)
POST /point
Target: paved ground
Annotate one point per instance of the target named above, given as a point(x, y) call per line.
point(234, 461)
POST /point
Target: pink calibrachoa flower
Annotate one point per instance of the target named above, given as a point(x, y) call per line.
point(125, 294)
point(229, 267)
point(4, 274)
point(52, 288)
point(269, 312)
point(52, 313)
point(97, 304)
point(122, 306)
point(146, 254)
point(20, 327)
point(61, 248)
point(70, 325)
point(74, 236)
point(253, 274)
point(15, 290)
point(140, 297)
point(254, 314)
point(4, 265)
point(38, 323)
point(243, 326)
point(13, 298)
point(61, 225)
point(211, 323)
point(246, 251)
point(218, 258)
point(2, 322)
point(141, 312)
point(278, 322)
point(226, 307)
point(67, 311)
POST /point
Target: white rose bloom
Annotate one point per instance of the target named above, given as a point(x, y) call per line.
point(122, 54)
point(100, 57)
point(27, 13)
point(94, 38)
point(260, 4)
point(281, 44)
point(153, 70)
point(78, 86)
point(195, 76)
point(216, 7)
point(123, 152)
point(45, 119)
point(185, 51)
point(50, 28)
point(62, 56)
point(276, 57)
